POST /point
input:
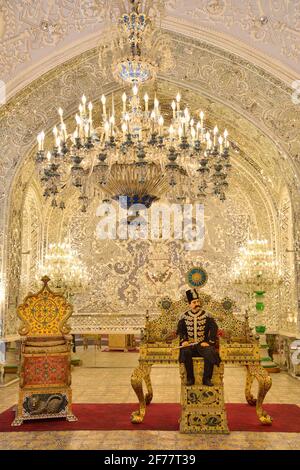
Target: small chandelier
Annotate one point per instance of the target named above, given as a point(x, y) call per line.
point(135, 50)
point(65, 270)
point(256, 268)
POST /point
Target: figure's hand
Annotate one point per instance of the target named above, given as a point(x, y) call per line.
point(170, 336)
point(204, 344)
point(185, 343)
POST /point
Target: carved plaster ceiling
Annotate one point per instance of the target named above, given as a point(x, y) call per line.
point(32, 31)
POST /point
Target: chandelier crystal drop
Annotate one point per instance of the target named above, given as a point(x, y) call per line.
point(138, 153)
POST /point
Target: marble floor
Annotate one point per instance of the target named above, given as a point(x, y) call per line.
point(104, 377)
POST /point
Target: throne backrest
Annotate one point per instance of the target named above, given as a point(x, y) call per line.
point(45, 313)
point(231, 328)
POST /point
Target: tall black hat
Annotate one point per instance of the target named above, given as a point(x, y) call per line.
point(191, 294)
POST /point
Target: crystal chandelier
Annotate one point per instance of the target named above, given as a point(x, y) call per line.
point(136, 49)
point(256, 268)
point(139, 152)
point(140, 158)
point(65, 270)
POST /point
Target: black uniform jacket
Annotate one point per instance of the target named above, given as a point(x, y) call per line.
point(207, 329)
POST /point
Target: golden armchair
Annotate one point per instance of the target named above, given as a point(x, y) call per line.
point(45, 370)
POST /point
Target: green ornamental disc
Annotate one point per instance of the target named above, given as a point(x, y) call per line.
point(196, 277)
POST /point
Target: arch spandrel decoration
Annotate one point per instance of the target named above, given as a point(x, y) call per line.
point(264, 102)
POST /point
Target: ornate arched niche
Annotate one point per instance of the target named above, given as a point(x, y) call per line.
point(256, 107)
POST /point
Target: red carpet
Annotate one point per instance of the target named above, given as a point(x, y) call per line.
point(159, 417)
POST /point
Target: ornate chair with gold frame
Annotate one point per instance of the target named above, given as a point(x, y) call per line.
point(45, 371)
point(237, 347)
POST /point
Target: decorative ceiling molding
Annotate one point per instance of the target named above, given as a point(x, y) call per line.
point(232, 45)
point(39, 35)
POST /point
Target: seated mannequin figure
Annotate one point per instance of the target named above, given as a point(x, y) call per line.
point(198, 333)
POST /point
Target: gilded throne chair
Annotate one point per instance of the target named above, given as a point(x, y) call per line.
point(45, 369)
point(237, 346)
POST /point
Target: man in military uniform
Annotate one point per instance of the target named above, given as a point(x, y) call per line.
point(195, 326)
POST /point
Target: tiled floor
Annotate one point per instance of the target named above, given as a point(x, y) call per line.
point(109, 382)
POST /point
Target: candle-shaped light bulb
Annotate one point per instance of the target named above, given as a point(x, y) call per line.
point(160, 123)
point(135, 90)
point(124, 98)
point(42, 134)
point(192, 122)
point(193, 133)
point(152, 116)
point(173, 106)
point(126, 117)
point(49, 156)
point(39, 140)
point(83, 100)
point(216, 130)
point(124, 128)
point(220, 140)
point(64, 130)
point(146, 99)
point(55, 131)
point(80, 107)
point(201, 118)
point(78, 120)
point(90, 108)
point(60, 112)
point(180, 132)
point(106, 129)
point(103, 101)
point(198, 127)
point(226, 142)
point(111, 124)
point(156, 103)
point(178, 98)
